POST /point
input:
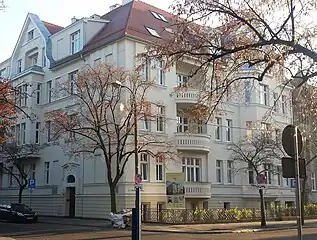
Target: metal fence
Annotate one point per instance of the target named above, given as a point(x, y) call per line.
point(186, 216)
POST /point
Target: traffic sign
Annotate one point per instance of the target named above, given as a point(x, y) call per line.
point(261, 178)
point(288, 140)
point(31, 183)
point(288, 167)
point(138, 179)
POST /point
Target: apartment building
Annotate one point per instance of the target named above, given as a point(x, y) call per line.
point(46, 55)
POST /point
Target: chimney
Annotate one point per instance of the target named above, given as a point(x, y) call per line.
point(114, 6)
point(126, 1)
point(74, 19)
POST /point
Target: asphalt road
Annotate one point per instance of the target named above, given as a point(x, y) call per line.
point(53, 231)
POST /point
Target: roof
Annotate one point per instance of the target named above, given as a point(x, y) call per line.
point(130, 20)
point(52, 28)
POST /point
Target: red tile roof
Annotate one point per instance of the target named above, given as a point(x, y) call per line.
point(130, 20)
point(52, 28)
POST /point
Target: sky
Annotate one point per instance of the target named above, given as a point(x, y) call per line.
point(58, 12)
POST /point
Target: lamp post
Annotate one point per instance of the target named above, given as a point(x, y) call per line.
point(119, 85)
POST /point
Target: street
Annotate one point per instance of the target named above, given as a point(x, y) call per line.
point(56, 231)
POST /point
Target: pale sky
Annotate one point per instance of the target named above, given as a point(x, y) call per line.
point(58, 12)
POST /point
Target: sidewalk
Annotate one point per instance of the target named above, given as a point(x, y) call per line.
point(225, 228)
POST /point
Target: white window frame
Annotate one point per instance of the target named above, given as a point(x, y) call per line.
point(160, 75)
point(37, 132)
point(192, 169)
point(313, 181)
point(219, 171)
point(264, 94)
point(49, 91)
point(251, 174)
point(268, 168)
point(279, 175)
point(153, 32)
point(275, 102)
point(284, 104)
point(32, 171)
point(144, 166)
point(218, 130)
point(182, 124)
point(160, 124)
point(146, 70)
point(30, 35)
point(182, 80)
point(47, 173)
point(48, 125)
point(43, 57)
point(230, 170)
point(18, 134)
point(38, 93)
point(229, 130)
point(19, 66)
point(72, 79)
point(159, 16)
point(23, 133)
point(159, 170)
point(75, 42)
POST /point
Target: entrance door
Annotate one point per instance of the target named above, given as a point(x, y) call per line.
point(70, 201)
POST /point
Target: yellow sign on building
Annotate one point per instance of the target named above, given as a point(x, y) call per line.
point(175, 190)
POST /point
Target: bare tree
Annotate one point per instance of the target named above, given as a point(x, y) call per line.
point(13, 160)
point(258, 153)
point(101, 119)
point(2, 5)
point(223, 38)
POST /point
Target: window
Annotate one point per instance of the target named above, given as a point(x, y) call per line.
point(49, 91)
point(160, 80)
point(182, 124)
point(219, 171)
point(32, 171)
point(145, 121)
point(251, 173)
point(37, 132)
point(266, 132)
point(268, 172)
point(247, 92)
point(182, 80)
point(23, 135)
point(160, 119)
point(30, 35)
point(23, 95)
point(313, 181)
point(159, 169)
point(218, 129)
point(249, 126)
point(229, 130)
point(279, 176)
point(43, 58)
point(2, 72)
point(97, 62)
point(159, 16)
point(72, 79)
point(191, 169)
point(146, 70)
point(276, 103)
point(47, 172)
point(284, 104)
point(109, 59)
point(153, 32)
point(19, 66)
point(230, 171)
point(10, 176)
point(38, 93)
point(264, 90)
point(144, 166)
point(48, 131)
point(34, 59)
point(18, 135)
point(75, 42)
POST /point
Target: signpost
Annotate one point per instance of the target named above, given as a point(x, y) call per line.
point(136, 221)
point(31, 185)
point(293, 144)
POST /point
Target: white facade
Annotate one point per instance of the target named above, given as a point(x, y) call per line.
point(212, 185)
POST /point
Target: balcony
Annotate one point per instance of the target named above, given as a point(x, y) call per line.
point(186, 96)
point(197, 190)
point(194, 142)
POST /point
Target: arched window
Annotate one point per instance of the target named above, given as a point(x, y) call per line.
point(70, 179)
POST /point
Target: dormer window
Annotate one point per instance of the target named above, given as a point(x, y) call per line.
point(75, 42)
point(153, 32)
point(159, 16)
point(30, 35)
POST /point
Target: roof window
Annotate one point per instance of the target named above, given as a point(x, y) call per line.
point(159, 16)
point(153, 32)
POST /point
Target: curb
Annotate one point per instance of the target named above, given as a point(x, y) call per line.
point(220, 231)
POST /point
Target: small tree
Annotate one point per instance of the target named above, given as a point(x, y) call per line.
point(13, 159)
point(101, 119)
point(259, 154)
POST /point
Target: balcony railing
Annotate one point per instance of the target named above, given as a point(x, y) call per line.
point(187, 141)
point(186, 96)
point(197, 189)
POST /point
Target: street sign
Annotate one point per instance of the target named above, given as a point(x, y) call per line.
point(288, 140)
point(261, 178)
point(31, 183)
point(288, 167)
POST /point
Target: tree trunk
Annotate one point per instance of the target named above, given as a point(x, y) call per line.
point(113, 198)
point(20, 193)
point(263, 217)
